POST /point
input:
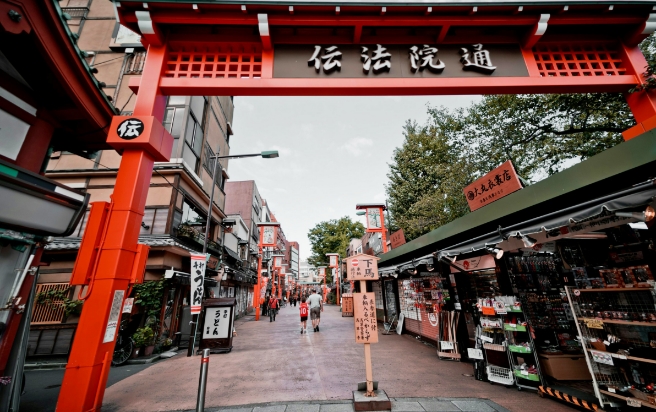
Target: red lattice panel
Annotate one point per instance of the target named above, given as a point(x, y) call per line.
point(217, 63)
point(556, 60)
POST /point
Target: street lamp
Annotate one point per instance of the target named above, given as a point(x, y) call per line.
point(268, 154)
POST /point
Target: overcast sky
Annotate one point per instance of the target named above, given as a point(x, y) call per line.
point(334, 152)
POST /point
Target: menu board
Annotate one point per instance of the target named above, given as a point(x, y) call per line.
point(364, 309)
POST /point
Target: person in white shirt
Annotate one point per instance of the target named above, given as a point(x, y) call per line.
point(316, 307)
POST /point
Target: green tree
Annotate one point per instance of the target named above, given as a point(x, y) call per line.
point(423, 173)
point(541, 134)
point(332, 236)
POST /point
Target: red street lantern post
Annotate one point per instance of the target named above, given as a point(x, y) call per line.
point(375, 219)
point(268, 236)
point(333, 263)
point(276, 268)
point(322, 274)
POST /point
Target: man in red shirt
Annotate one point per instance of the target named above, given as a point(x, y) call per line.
point(273, 308)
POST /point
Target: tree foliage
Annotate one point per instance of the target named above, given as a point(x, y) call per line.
point(332, 236)
point(541, 134)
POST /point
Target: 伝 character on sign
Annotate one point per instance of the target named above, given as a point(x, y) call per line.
point(130, 128)
point(331, 59)
point(425, 58)
point(477, 59)
point(381, 60)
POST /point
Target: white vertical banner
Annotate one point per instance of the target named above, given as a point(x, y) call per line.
point(114, 315)
point(198, 262)
point(333, 261)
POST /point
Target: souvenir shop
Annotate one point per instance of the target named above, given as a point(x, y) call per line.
point(550, 288)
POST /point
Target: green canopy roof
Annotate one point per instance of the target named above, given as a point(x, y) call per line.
point(615, 169)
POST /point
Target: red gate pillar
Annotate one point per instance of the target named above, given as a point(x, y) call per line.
point(642, 104)
point(86, 373)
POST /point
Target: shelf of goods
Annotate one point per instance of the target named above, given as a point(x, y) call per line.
point(497, 362)
point(618, 328)
point(490, 332)
point(521, 353)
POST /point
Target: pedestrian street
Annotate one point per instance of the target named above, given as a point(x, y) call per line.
point(272, 362)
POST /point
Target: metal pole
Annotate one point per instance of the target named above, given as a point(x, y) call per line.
point(192, 340)
point(202, 381)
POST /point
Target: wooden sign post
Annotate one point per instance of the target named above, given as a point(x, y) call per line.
point(362, 268)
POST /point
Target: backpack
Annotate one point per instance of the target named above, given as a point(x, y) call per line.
point(304, 310)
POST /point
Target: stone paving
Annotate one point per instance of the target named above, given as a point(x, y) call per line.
point(273, 366)
point(398, 405)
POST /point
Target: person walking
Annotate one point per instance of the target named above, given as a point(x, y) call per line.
point(316, 307)
point(304, 309)
point(265, 306)
point(273, 308)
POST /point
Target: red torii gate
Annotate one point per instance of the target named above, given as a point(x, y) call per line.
point(266, 48)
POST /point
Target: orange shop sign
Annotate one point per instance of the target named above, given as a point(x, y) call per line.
point(500, 182)
point(397, 238)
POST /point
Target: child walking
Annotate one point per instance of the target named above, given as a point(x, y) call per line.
point(304, 309)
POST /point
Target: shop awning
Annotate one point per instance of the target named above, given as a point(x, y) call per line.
point(232, 253)
point(550, 202)
point(598, 212)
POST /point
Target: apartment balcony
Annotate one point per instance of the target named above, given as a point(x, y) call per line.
point(195, 238)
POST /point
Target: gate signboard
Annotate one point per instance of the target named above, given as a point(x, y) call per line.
point(408, 61)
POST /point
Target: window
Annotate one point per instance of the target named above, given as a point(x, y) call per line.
point(194, 142)
point(194, 217)
point(173, 121)
point(209, 163)
point(154, 221)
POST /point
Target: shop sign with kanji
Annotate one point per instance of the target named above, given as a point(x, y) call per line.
point(217, 323)
point(198, 262)
point(500, 182)
point(362, 267)
point(364, 313)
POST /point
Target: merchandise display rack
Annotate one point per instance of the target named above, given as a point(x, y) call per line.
point(497, 361)
point(618, 330)
point(520, 344)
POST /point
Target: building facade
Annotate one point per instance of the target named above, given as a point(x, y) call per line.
point(175, 219)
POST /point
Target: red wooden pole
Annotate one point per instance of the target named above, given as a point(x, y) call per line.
point(86, 373)
point(256, 294)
